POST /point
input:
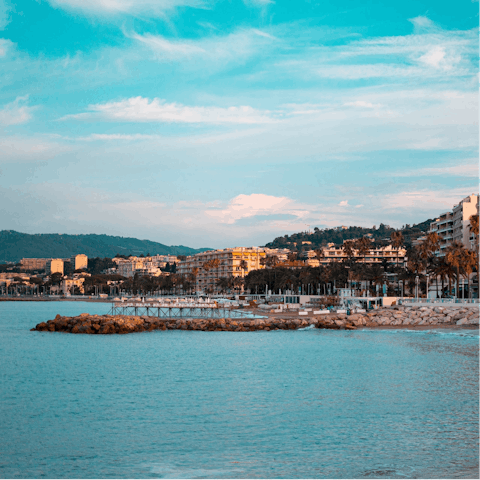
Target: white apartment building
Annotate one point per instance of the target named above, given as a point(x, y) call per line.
point(454, 226)
point(280, 253)
point(128, 267)
point(333, 253)
point(229, 265)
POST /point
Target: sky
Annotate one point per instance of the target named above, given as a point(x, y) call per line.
point(228, 123)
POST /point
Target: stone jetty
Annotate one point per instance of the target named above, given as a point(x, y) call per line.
point(412, 316)
point(396, 316)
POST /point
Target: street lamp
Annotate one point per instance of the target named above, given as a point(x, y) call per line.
point(417, 280)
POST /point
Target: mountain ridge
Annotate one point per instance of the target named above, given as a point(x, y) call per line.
point(17, 245)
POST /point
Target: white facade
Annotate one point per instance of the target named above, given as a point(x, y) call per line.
point(454, 226)
point(333, 253)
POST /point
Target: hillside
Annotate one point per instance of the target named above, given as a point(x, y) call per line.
point(338, 235)
point(15, 246)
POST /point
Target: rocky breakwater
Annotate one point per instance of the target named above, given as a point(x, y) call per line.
point(109, 324)
point(411, 316)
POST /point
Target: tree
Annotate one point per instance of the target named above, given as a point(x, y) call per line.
point(454, 256)
point(348, 249)
point(397, 241)
point(475, 229)
point(363, 246)
point(244, 266)
point(469, 263)
point(194, 275)
point(319, 254)
point(223, 284)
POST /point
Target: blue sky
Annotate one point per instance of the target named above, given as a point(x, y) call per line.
point(223, 123)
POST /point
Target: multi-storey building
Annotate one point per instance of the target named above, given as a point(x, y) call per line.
point(375, 255)
point(461, 219)
point(128, 267)
point(78, 262)
point(207, 267)
point(454, 226)
point(27, 264)
point(69, 284)
point(54, 265)
point(280, 253)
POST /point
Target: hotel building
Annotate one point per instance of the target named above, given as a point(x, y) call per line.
point(227, 263)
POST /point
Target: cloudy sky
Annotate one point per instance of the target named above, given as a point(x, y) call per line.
point(230, 122)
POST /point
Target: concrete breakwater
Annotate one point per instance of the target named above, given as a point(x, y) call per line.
point(393, 316)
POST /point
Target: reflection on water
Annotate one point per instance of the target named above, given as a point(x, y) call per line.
point(283, 404)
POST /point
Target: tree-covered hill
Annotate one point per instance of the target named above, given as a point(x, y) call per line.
point(338, 235)
point(15, 246)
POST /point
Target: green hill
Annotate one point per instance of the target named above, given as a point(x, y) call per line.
point(15, 246)
point(338, 235)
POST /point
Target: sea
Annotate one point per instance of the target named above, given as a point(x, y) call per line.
point(309, 403)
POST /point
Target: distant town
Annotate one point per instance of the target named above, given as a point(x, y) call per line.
point(440, 262)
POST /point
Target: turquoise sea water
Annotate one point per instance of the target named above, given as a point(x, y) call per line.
point(282, 404)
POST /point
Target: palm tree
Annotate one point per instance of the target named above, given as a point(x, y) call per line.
point(475, 229)
point(194, 274)
point(238, 281)
point(469, 264)
point(348, 248)
point(223, 283)
point(363, 246)
point(244, 266)
point(319, 254)
point(397, 241)
point(454, 254)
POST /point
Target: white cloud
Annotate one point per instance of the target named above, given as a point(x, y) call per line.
point(23, 149)
point(243, 206)
point(424, 200)
point(429, 52)
point(359, 206)
point(362, 104)
point(234, 47)
point(168, 49)
point(4, 14)
point(468, 168)
point(16, 112)
point(5, 46)
point(434, 57)
point(421, 22)
point(139, 109)
point(132, 7)
point(343, 203)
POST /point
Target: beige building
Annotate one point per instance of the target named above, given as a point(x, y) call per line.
point(454, 226)
point(68, 284)
point(54, 265)
point(27, 264)
point(79, 262)
point(226, 263)
point(333, 253)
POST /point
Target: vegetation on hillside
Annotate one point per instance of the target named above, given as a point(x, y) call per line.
point(319, 238)
point(15, 245)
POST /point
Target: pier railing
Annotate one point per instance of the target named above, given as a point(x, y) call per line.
point(178, 311)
